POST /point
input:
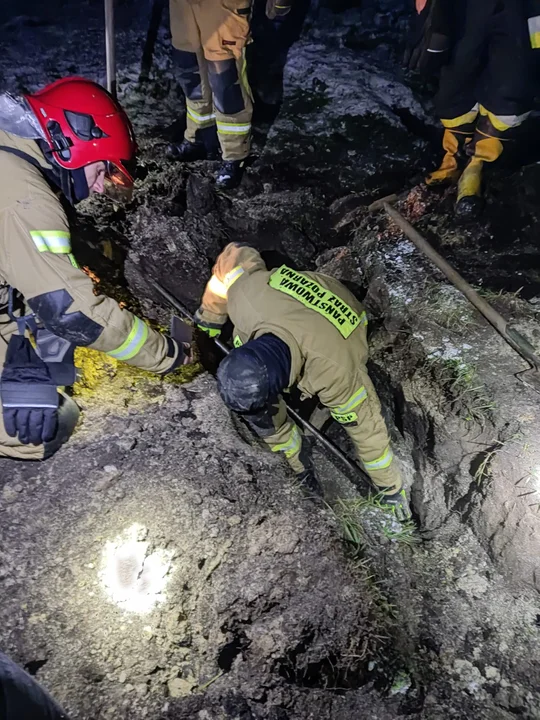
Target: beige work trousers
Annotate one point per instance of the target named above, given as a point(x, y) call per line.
point(216, 30)
point(367, 431)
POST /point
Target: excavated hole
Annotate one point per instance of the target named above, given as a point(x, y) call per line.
point(329, 673)
point(34, 666)
point(231, 650)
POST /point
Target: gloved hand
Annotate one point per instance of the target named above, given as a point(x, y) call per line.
point(398, 504)
point(29, 396)
point(179, 341)
point(211, 329)
point(278, 9)
point(429, 43)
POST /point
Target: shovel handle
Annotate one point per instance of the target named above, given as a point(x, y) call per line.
point(523, 346)
point(512, 337)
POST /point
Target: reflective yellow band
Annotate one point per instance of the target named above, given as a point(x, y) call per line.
point(217, 287)
point(344, 413)
point(244, 82)
point(55, 241)
point(221, 287)
point(534, 31)
point(232, 276)
point(381, 462)
point(236, 129)
point(237, 342)
point(210, 331)
point(313, 296)
point(468, 117)
point(133, 343)
point(292, 446)
point(73, 261)
point(200, 119)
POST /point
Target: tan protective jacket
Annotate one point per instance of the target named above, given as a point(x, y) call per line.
point(324, 326)
point(36, 259)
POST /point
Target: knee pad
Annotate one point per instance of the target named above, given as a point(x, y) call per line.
point(189, 74)
point(223, 78)
point(51, 308)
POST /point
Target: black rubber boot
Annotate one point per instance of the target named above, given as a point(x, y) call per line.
point(230, 174)
point(469, 208)
point(187, 151)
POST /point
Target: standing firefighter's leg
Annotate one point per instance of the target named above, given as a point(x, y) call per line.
point(225, 34)
point(233, 106)
point(192, 73)
point(194, 81)
point(487, 146)
point(505, 94)
point(457, 134)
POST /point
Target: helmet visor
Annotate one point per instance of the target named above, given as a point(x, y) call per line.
point(119, 181)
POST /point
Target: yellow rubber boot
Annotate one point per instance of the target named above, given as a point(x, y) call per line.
point(458, 132)
point(469, 197)
point(448, 172)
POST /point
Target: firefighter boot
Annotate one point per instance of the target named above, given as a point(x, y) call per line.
point(486, 146)
point(454, 141)
point(205, 147)
point(186, 151)
point(230, 174)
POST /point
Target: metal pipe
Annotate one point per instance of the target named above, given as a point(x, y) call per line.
point(328, 444)
point(110, 47)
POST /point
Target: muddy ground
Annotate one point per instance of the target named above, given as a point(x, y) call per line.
point(163, 564)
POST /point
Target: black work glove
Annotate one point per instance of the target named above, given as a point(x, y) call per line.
point(428, 49)
point(29, 396)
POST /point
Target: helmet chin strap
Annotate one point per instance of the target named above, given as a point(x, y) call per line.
point(80, 184)
point(72, 183)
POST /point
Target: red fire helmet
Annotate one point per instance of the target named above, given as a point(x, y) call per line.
point(83, 124)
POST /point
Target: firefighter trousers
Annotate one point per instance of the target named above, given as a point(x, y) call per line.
point(362, 419)
point(491, 65)
point(209, 39)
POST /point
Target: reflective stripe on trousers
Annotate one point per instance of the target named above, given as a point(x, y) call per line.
point(291, 446)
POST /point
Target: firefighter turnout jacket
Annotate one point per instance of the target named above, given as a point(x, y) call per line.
point(324, 326)
point(36, 260)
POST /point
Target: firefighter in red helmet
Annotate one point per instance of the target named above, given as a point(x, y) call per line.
point(72, 136)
